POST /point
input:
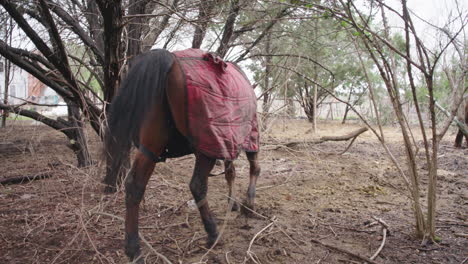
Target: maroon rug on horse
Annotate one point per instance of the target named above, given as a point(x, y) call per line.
point(221, 105)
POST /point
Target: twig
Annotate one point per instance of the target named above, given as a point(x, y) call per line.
point(288, 236)
point(249, 251)
point(464, 261)
point(384, 236)
point(347, 137)
point(154, 250)
point(227, 258)
point(366, 259)
point(141, 236)
point(85, 229)
point(247, 208)
point(27, 178)
point(321, 259)
point(228, 213)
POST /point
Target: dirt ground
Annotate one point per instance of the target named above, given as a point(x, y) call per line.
point(313, 207)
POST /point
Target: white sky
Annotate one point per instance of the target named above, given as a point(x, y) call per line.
point(437, 12)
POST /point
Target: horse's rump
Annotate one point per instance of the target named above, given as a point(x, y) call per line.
point(221, 106)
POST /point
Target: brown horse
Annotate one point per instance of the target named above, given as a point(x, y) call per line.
point(459, 137)
point(150, 111)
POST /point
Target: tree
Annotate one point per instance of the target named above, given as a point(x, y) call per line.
point(6, 67)
point(384, 53)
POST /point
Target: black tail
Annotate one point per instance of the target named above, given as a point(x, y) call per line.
point(144, 87)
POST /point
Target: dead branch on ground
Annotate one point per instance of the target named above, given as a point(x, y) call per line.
point(141, 235)
point(250, 253)
point(25, 178)
point(366, 259)
point(384, 227)
point(353, 135)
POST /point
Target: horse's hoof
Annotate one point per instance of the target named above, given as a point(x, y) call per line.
point(248, 210)
point(110, 189)
point(138, 260)
point(235, 207)
point(211, 240)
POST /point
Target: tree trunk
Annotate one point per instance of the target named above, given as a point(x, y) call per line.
point(204, 10)
point(347, 107)
point(7, 69)
point(77, 137)
point(314, 109)
point(135, 27)
point(345, 115)
point(112, 14)
point(266, 84)
point(229, 28)
point(310, 110)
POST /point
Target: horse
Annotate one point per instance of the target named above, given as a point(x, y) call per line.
point(150, 112)
point(459, 137)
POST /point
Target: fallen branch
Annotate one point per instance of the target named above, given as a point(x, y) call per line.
point(347, 137)
point(353, 135)
point(384, 236)
point(250, 253)
point(143, 239)
point(366, 259)
point(24, 179)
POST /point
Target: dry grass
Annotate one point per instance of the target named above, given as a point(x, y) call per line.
point(305, 194)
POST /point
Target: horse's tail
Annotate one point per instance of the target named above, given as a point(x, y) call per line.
point(143, 87)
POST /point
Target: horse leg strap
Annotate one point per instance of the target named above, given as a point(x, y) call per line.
point(150, 155)
point(202, 202)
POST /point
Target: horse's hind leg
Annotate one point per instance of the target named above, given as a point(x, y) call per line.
point(154, 137)
point(230, 174)
point(254, 173)
point(135, 185)
point(199, 188)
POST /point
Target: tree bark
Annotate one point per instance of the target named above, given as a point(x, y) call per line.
point(266, 84)
point(135, 27)
point(72, 129)
point(204, 11)
point(7, 70)
point(112, 13)
point(78, 142)
point(229, 29)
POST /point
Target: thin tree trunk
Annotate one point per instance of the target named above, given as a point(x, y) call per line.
point(266, 84)
point(77, 137)
point(7, 69)
point(204, 11)
point(347, 107)
point(314, 110)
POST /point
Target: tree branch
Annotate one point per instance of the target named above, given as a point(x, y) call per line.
point(76, 27)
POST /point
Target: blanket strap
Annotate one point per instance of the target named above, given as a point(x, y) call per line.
point(202, 202)
point(150, 155)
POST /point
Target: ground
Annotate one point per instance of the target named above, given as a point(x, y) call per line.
point(313, 206)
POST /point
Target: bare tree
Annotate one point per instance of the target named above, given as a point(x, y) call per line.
point(6, 67)
point(383, 52)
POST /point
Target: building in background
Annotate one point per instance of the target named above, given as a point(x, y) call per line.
point(24, 87)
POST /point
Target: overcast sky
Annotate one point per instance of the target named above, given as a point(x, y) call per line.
point(436, 12)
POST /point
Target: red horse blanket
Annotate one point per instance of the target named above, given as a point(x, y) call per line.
point(221, 105)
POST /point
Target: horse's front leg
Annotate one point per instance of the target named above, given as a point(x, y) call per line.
point(135, 186)
point(199, 188)
point(254, 173)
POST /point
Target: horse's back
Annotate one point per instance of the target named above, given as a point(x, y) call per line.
point(213, 104)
